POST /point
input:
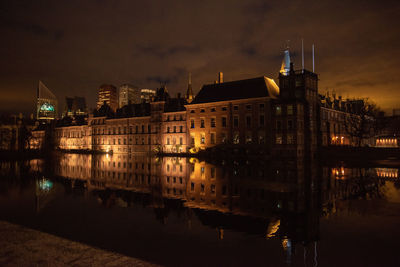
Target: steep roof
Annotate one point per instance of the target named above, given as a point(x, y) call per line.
point(243, 89)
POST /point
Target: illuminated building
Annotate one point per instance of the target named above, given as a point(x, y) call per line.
point(108, 94)
point(75, 106)
point(46, 108)
point(129, 94)
point(231, 113)
point(146, 95)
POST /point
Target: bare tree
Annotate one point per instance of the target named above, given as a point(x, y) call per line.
point(361, 120)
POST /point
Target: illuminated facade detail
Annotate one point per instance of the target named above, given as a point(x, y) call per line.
point(387, 172)
point(46, 103)
point(386, 142)
point(108, 94)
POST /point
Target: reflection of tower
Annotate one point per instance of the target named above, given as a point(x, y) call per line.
point(46, 108)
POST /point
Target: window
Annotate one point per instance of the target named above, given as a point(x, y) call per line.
point(248, 121)
point(290, 139)
point(212, 172)
point(202, 138)
point(181, 129)
point(262, 106)
point(202, 110)
point(192, 111)
point(192, 123)
point(262, 120)
point(278, 110)
point(278, 125)
point(223, 121)
point(212, 138)
point(136, 129)
point(180, 140)
point(290, 109)
point(248, 138)
point(192, 186)
point(212, 109)
point(290, 124)
point(167, 141)
point(149, 128)
point(223, 109)
point(248, 107)
point(235, 107)
point(278, 139)
point(142, 128)
point(174, 129)
point(236, 138)
point(192, 139)
point(223, 138)
point(202, 188)
point(213, 189)
point(167, 129)
point(212, 122)
point(202, 170)
point(236, 121)
point(202, 123)
point(261, 138)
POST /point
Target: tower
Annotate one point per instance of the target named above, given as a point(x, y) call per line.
point(189, 92)
point(108, 94)
point(46, 108)
point(285, 67)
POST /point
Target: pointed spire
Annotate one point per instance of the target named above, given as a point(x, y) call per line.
point(285, 67)
point(189, 92)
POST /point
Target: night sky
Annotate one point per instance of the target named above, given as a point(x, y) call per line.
point(75, 46)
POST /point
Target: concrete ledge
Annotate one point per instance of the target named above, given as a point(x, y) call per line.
point(21, 246)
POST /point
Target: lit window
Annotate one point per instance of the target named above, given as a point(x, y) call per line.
point(202, 138)
point(278, 139)
point(290, 109)
point(236, 138)
point(278, 110)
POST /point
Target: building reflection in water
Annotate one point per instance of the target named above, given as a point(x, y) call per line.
point(278, 200)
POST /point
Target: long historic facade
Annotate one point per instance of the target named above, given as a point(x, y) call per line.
point(289, 119)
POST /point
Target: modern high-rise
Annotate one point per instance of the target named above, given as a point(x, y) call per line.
point(129, 94)
point(108, 94)
point(46, 108)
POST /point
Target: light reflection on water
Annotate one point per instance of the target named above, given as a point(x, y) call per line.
point(272, 211)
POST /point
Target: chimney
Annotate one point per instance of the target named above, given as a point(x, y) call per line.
point(220, 77)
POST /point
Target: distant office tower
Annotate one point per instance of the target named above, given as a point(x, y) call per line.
point(108, 94)
point(147, 94)
point(46, 108)
point(129, 94)
point(75, 106)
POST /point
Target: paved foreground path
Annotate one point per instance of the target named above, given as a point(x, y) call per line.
point(20, 246)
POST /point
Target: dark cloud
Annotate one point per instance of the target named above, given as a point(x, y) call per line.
point(161, 51)
point(75, 46)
